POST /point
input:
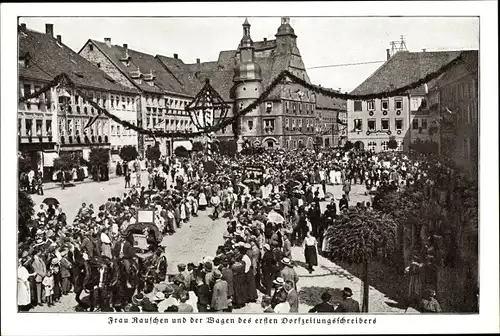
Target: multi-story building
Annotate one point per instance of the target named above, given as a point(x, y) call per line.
point(164, 95)
point(331, 116)
point(287, 118)
point(55, 121)
point(454, 99)
point(372, 123)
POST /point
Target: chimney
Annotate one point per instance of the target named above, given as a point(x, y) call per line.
point(59, 39)
point(108, 41)
point(49, 29)
point(125, 46)
point(265, 40)
point(197, 61)
point(423, 50)
point(388, 52)
point(23, 27)
point(176, 56)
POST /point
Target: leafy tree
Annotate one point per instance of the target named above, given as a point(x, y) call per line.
point(66, 161)
point(25, 207)
point(228, 147)
point(348, 145)
point(425, 147)
point(128, 153)
point(153, 153)
point(392, 144)
point(98, 159)
point(181, 151)
point(358, 236)
point(198, 146)
point(25, 162)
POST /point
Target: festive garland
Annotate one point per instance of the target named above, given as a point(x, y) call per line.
point(64, 78)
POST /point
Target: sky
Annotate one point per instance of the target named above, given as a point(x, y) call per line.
point(322, 41)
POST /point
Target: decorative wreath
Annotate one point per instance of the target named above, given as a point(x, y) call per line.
point(399, 132)
point(389, 132)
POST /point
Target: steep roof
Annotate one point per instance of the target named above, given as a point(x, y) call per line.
point(48, 59)
point(327, 103)
point(404, 68)
point(164, 81)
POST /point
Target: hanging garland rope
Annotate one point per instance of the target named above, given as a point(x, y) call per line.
point(65, 79)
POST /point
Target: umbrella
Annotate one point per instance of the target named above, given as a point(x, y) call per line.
point(275, 217)
point(51, 201)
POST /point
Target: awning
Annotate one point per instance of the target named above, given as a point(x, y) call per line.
point(186, 143)
point(48, 158)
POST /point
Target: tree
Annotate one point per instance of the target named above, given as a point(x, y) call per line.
point(198, 146)
point(153, 153)
point(98, 159)
point(25, 162)
point(128, 153)
point(25, 210)
point(392, 144)
point(348, 145)
point(228, 147)
point(66, 162)
point(359, 236)
point(181, 151)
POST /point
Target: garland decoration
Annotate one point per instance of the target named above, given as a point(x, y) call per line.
point(282, 76)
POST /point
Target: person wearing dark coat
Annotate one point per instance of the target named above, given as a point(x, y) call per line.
point(343, 203)
point(348, 305)
point(202, 292)
point(269, 269)
point(324, 306)
point(239, 283)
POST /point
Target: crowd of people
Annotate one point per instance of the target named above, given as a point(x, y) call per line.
point(263, 222)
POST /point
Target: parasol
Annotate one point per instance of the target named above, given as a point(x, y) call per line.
point(275, 217)
point(51, 201)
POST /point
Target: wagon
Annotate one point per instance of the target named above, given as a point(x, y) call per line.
point(142, 246)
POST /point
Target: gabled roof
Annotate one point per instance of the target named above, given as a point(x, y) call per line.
point(404, 68)
point(48, 59)
point(164, 81)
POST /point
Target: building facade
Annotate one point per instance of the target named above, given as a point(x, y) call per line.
point(455, 98)
point(373, 123)
point(163, 96)
point(55, 122)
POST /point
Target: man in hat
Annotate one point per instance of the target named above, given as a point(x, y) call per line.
point(348, 305)
point(279, 284)
point(219, 293)
point(185, 275)
point(40, 268)
point(169, 299)
point(123, 251)
point(324, 306)
point(209, 276)
point(288, 272)
point(269, 269)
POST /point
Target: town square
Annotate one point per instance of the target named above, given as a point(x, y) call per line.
point(247, 182)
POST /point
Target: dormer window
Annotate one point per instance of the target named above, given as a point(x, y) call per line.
point(91, 47)
point(269, 107)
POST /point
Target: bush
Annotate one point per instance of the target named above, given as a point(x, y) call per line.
point(66, 161)
point(153, 153)
point(182, 152)
point(128, 153)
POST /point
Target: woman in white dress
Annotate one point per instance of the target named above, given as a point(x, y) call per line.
point(23, 285)
point(202, 201)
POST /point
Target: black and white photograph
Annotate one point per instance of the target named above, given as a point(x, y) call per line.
point(279, 168)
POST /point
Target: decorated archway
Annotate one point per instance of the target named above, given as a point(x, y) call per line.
point(270, 142)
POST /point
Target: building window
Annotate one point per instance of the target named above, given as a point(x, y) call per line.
point(414, 124)
point(287, 122)
point(269, 125)
point(399, 124)
point(99, 65)
point(371, 105)
point(39, 125)
point(29, 124)
point(118, 130)
point(358, 125)
point(385, 124)
point(371, 124)
point(372, 146)
point(250, 125)
point(48, 127)
point(399, 104)
point(91, 47)
point(358, 105)
point(293, 123)
point(294, 108)
point(385, 104)
point(424, 123)
point(384, 145)
point(27, 89)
